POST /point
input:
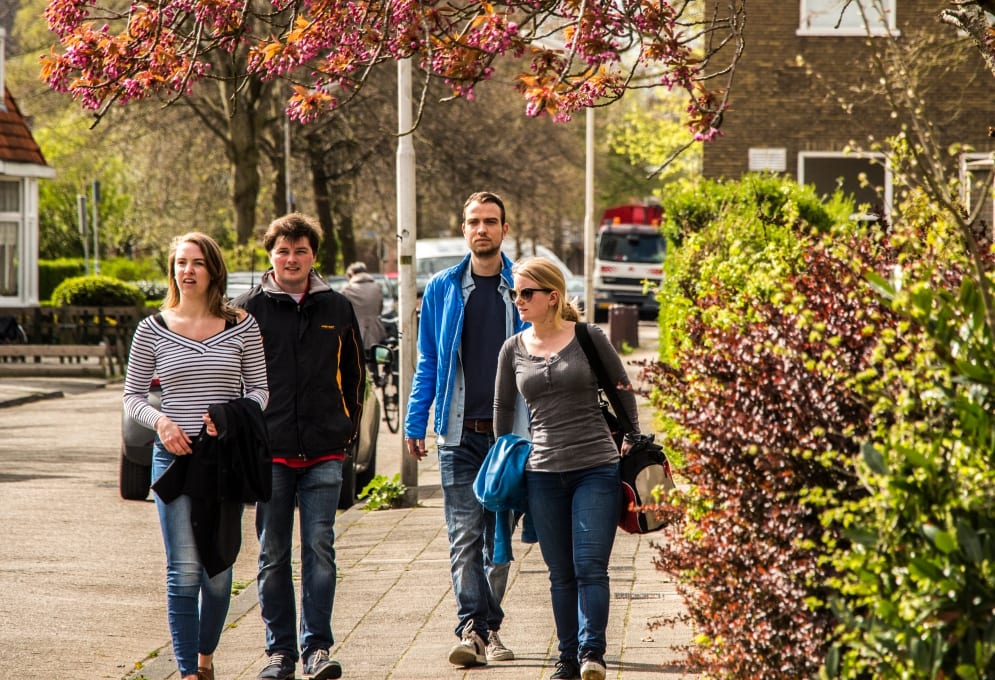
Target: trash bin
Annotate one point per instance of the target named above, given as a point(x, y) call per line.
point(623, 326)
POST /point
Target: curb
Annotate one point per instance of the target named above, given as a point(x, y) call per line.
point(27, 399)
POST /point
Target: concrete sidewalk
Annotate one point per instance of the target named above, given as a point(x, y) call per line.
point(395, 613)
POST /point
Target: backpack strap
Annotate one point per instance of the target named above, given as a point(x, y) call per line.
point(604, 382)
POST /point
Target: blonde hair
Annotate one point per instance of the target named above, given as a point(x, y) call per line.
point(217, 302)
point(547, 275)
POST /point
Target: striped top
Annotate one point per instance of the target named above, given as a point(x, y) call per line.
point(194, 374)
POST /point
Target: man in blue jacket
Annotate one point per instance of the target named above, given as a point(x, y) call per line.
point(466, 315)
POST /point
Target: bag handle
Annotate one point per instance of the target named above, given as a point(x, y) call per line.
point(607, 386)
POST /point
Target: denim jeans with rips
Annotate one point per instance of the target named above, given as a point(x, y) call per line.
point(313, 490)
point(575, 515)
point(478, 583)
point(196, 605)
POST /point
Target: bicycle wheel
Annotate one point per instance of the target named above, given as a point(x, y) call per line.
point(391, 394)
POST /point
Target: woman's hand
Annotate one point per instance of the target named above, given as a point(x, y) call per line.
point(212, 430)
point(174, 439)
point(626, 445)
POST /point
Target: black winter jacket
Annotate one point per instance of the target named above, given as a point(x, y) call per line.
point(314, 362)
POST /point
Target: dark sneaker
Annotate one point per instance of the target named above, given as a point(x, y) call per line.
point(496, 651)
point(279, 667)
point(319, 666)
point(592, 667)
point(471, 650)
point(566, 670)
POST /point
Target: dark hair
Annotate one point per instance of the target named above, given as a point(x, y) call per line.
point(484, 197)
point(217, 302)
point(292, 227)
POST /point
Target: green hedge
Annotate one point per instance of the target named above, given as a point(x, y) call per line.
point(96, 291)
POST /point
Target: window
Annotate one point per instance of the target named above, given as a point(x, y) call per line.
point(10, 227)
point(864, 177)
point(977, 189)
point(820, 17)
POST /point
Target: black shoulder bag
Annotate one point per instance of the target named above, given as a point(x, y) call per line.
point(644, 471)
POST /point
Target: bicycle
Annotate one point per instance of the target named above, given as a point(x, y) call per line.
point(386, 364)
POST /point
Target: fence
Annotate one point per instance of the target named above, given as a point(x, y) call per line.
point(113, 326)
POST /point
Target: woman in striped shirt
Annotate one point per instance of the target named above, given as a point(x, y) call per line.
point(204, 352)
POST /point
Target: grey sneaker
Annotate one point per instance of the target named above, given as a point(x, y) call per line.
point(279, 667)
point(471, 650)
point(319, 666)
point(592, 668)
point(496, 651)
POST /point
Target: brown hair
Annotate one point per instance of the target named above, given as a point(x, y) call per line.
point(547, 275)
point(292, 227)
point(217, 302)
point(484, 197)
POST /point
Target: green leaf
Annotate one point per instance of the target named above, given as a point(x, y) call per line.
point(873, 458)
point(944, 541)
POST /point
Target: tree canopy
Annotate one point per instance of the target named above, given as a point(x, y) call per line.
point(573, 53)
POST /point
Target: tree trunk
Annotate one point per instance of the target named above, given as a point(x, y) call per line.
point(322, 202)
point(243, 153)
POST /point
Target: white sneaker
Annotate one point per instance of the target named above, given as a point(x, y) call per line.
point(471, 650)
point(496, 651)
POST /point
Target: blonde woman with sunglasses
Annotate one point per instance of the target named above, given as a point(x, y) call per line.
point(572, 472)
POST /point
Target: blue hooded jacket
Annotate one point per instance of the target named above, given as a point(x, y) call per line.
point(500, 487)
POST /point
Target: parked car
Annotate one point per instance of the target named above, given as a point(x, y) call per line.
point(241, 282)
point(358, 470)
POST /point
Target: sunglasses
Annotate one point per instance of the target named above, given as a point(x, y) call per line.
point(527, 293)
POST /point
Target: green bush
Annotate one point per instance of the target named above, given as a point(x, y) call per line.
point(383, 493)
point(53, 272)
point(96, 291)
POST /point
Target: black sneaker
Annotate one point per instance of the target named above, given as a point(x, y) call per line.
point(566, 669)
point(279, 667)
point(319, 666)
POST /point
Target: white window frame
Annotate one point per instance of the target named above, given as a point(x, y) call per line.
point(889, 188)
point(831, 9)
point(976, 164)
point(18, 219)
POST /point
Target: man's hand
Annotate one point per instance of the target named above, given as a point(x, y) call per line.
point(416, 448)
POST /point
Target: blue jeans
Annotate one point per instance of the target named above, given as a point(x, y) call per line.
point(575, 515)
point(196, 605)
point(478, 583)
point(315, 491)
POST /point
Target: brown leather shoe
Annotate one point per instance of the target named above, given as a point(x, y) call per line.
point(205, 673)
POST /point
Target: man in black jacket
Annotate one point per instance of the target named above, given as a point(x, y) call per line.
point(314, 357)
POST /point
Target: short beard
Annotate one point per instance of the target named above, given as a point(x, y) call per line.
point(488, 252)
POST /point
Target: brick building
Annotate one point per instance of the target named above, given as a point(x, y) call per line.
point(805, 90)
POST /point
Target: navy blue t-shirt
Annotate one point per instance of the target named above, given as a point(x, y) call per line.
point(483, 335)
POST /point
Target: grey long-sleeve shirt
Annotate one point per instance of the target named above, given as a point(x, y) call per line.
point(568, 430)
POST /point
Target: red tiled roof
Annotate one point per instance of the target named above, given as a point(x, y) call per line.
point(17, 145)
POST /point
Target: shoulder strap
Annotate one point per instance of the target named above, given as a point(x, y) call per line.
point(607, 386)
